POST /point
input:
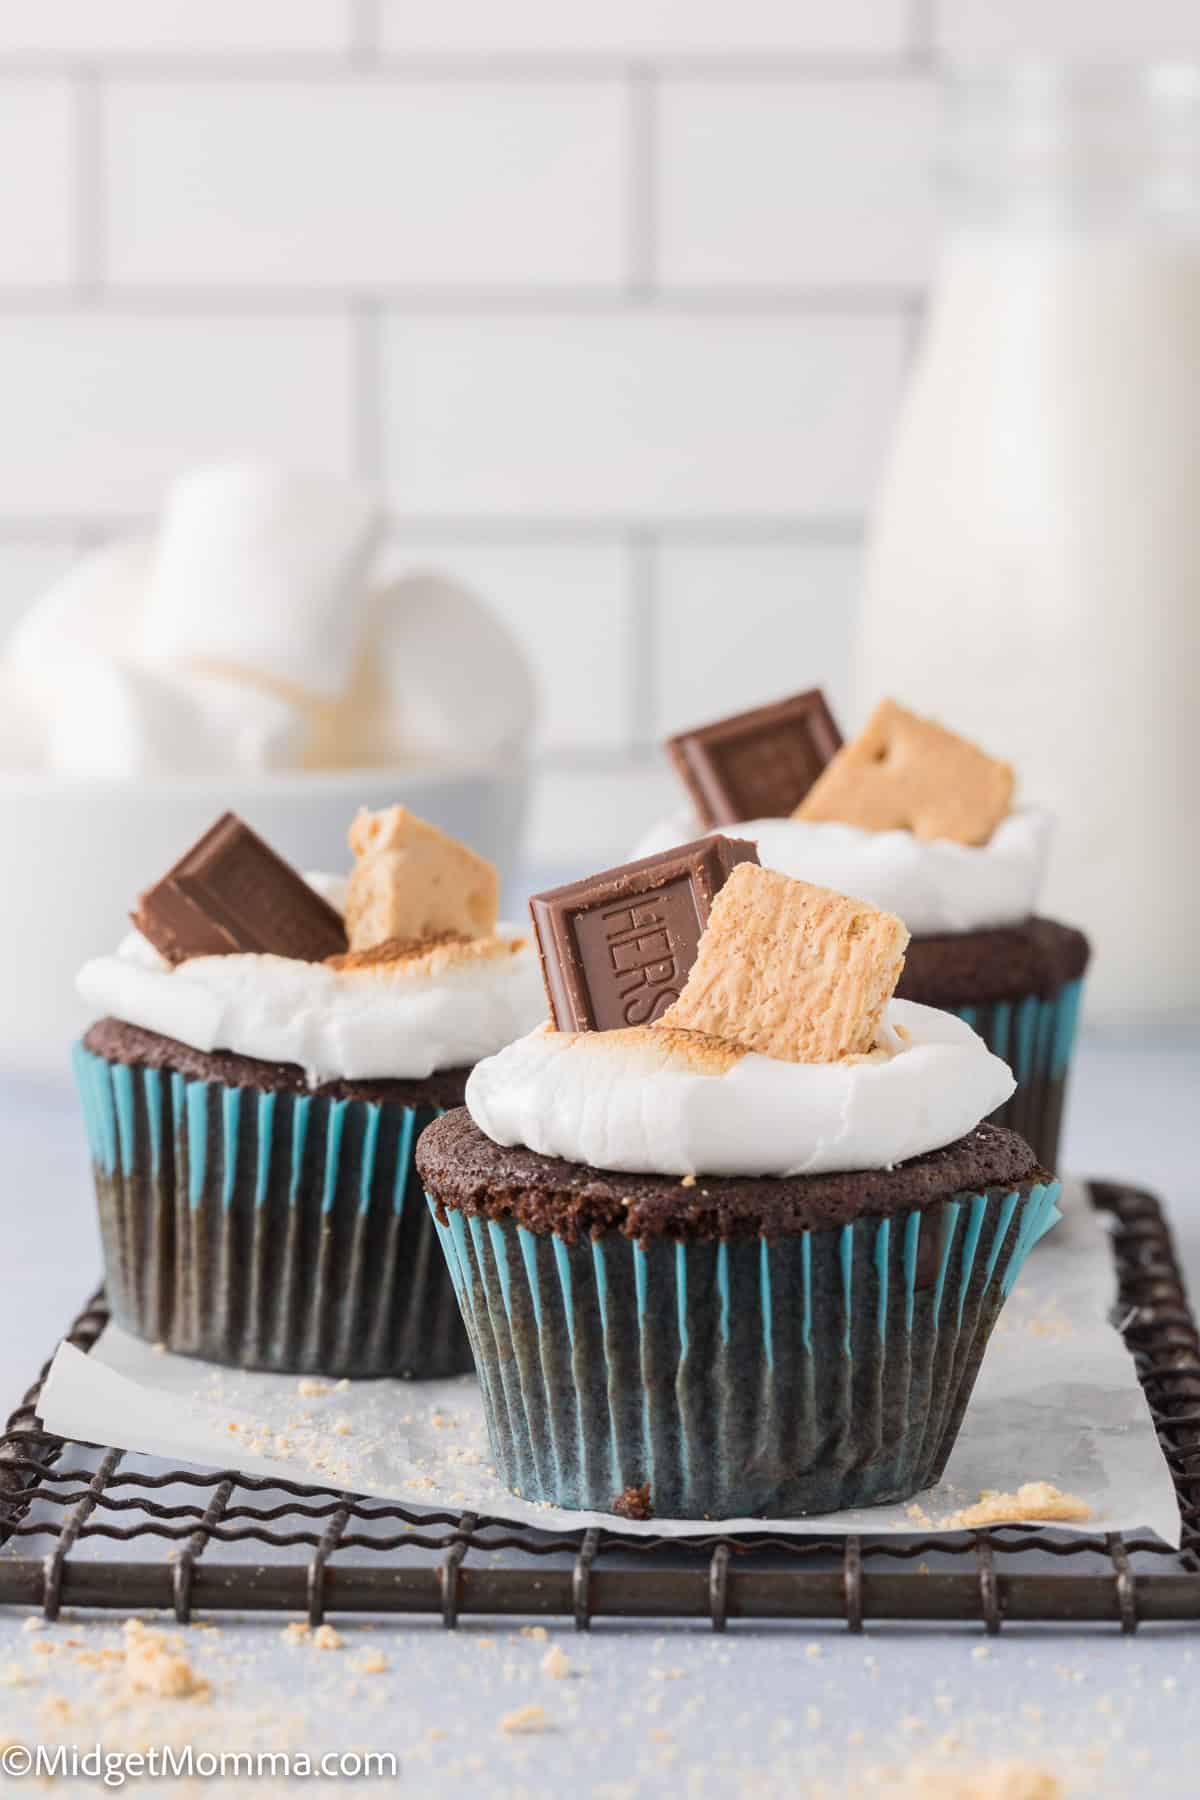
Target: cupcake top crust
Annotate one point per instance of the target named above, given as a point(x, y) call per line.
point(397, 973)
point(909, 816)
point(465, 1171)
point(774, 1045)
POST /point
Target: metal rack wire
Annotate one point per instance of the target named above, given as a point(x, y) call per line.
point(119, 1531)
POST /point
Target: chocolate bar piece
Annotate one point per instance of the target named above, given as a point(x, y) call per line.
point(616, 948)
point(232, 893)
point(756, 765)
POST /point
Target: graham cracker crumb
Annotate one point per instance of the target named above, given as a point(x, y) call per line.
point(526, 1719)
point(1008, 1780)
point(371, 1662)
point(538, 1633)
point(326, 1638)
point(310, 1388)
point(1039, 1500)
point(556, 1663)
point(156, 1665)
point(790, 970)
point(904, 773)
point(688, 1181)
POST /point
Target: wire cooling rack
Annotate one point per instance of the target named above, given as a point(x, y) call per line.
point(94, 1527)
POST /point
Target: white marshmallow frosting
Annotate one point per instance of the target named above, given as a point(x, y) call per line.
point(935, 887)
point(388, 1021)
point(644, 1103)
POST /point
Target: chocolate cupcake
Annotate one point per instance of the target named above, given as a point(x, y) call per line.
point(743, 1262)
point(920, 822)
point(270, 1048)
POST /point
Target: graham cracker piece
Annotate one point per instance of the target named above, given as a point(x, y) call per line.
point(904, 773)
point(412, 882)
point(793, 971)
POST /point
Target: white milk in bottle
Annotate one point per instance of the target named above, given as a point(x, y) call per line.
point(1034, 570)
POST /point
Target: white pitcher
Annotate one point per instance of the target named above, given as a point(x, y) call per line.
point(1033, 575)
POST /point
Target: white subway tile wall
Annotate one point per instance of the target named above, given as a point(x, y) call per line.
point(37, 168)
point(614, 301)
point(824, 183)
point(657, 414)
point(102, 403)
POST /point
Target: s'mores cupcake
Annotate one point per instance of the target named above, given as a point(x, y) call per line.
point(740, 1259)
point(922, 823)
point(267, 1050)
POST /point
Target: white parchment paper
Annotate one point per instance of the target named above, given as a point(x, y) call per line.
point(1057, 1400)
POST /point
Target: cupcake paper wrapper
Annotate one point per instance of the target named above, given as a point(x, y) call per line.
point(267, 1230)
point(1035, 1037)
point(745, 1379)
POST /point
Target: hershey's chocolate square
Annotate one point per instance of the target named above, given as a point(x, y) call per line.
point(616, 949)
point(759, 764)
point(232, 893)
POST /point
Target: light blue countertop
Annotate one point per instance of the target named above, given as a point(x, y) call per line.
point(641, 1710)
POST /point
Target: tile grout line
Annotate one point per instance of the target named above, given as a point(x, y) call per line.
point(641, 181)
point(90, 233)
point(857, 302)
point(642, 549)
point(509, 529)
point(365, 33)
point(923, 30)
point(516, 66)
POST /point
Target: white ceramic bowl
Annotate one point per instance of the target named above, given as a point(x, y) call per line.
point(77, 854)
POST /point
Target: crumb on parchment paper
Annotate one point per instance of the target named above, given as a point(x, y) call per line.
point(999, 1780)
point(155, 1664)
point(526, 1719)
point(371, 1662)
point(1039, 1500)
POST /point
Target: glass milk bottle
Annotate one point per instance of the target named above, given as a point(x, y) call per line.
point(1033, 573)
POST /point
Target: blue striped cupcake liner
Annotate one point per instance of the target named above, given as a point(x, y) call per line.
point(744, 1379)
point(1035, 1036)
point(267, 1230)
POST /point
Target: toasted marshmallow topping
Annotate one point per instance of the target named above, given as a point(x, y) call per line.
point(404, 1016)
point(655, 1101)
